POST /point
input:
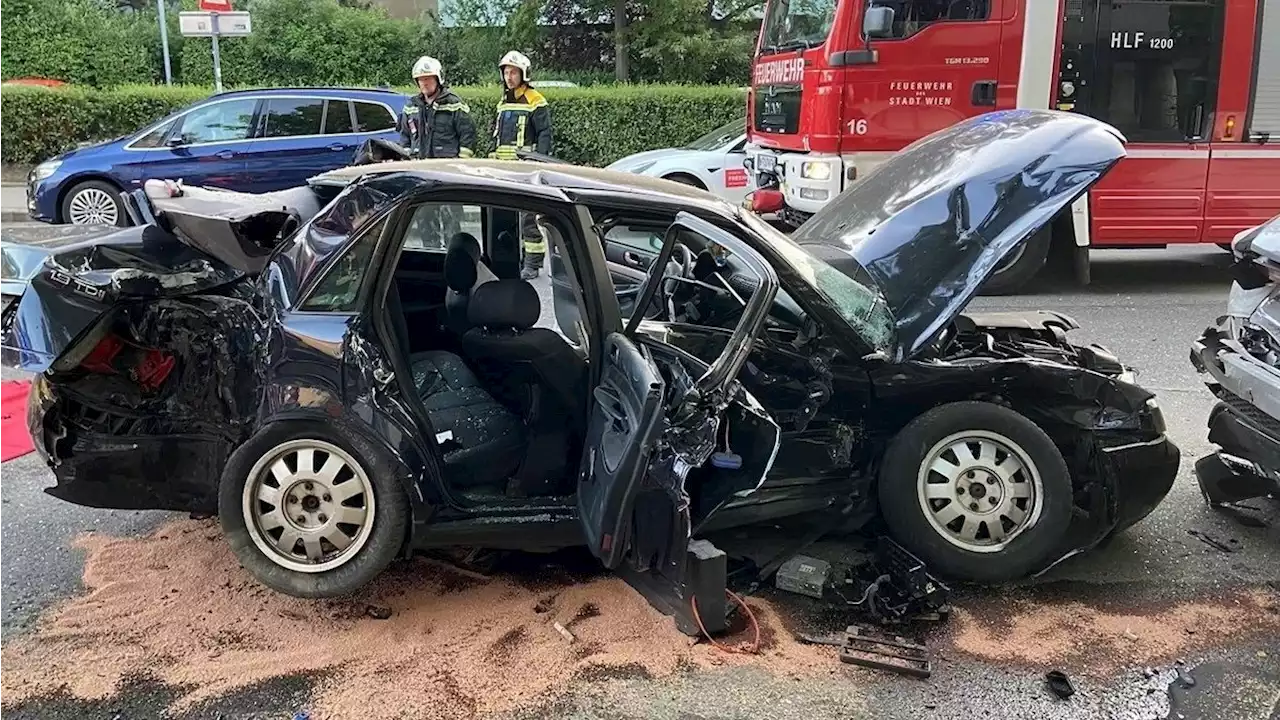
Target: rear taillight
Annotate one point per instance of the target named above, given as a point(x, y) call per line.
point(114, 355)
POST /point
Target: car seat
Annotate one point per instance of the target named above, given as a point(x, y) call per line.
point(535, 364)
point(464, 269)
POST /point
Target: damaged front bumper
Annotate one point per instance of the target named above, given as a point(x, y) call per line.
point(1245, 424)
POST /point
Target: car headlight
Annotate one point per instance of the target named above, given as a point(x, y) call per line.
point(815, 170)
point(638, 169)
point(46, 168)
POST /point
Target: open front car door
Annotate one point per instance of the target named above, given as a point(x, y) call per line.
point(670, 440)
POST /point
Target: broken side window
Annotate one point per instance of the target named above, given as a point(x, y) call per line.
point(339, 289)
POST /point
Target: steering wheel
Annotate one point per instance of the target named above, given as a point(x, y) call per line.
point(679, 267)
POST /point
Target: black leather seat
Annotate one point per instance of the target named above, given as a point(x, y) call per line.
point(488, 441)
point(464, 268)
point(535, 363)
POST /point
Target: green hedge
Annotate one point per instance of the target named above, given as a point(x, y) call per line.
point(593, 125)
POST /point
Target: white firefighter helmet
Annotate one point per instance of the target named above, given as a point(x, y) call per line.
point(517, 59)
point(426, 66)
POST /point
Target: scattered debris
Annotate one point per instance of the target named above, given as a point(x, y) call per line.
point(1059, 684)
point(563, 631)
point(377, 612)
point(1211, 541)
point(895, 654)
point(457, 568)
point(804, 575)
point(1185, 679)
point(862, 647)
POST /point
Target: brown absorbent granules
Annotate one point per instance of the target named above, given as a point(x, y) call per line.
point(1095, 641)
point(178, 605)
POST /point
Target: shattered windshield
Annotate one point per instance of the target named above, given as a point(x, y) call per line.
point(719, 137)
point(861, 306)
point(796, 25)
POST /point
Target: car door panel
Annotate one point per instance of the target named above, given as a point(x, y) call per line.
point(214, 145)
point(625, 422)
point(658, 420)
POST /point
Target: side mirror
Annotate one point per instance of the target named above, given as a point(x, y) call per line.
point(877, 22)
point(175, 142)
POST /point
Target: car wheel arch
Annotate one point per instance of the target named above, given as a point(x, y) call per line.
point(685, 177)
point(75, 181)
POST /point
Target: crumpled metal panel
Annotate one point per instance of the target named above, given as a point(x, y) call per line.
point(70, 288)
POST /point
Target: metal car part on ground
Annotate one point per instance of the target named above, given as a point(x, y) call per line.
point(350, 376)
point(1240, 358)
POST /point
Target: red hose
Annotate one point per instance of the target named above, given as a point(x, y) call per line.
point(751, 617)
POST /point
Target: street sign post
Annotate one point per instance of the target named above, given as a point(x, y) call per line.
point(164, 43)
point(215, 24)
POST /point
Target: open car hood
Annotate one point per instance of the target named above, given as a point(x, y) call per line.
point(930, 226)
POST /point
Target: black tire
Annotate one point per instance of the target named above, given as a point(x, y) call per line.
point(1030, 550)
point(685, 179)
point(1012, 277)
point(113, 192)
point(384, 541)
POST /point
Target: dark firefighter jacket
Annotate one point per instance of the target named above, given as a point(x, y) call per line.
point(524, 123)
point(441, 128)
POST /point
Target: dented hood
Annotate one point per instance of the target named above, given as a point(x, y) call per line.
point(929, 226)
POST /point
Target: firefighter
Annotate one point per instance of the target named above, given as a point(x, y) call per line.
point(436, 123)
point(524, 123)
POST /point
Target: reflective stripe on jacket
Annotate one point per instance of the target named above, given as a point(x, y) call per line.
point(441, 128)
point(524, 123)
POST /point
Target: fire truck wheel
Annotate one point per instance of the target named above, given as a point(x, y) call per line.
point(1020, 267)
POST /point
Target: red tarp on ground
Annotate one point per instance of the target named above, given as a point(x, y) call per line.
point(15, 440)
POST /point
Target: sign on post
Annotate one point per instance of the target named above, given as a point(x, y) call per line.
point(214, 24)
point(202, 24)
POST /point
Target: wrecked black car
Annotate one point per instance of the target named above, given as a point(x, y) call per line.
point(1240, 359)
point(378, 380)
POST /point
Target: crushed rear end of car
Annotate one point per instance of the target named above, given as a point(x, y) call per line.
point(145, 344)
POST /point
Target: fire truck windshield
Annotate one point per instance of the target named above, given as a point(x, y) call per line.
point(796, 25)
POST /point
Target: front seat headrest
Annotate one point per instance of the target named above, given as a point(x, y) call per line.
point(460, 262)
point(503, 304)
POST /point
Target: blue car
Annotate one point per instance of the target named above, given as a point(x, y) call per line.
point(249, 140)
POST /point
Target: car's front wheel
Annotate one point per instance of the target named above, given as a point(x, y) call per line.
point(94, 202)
point(977, 491)
point(312, 511)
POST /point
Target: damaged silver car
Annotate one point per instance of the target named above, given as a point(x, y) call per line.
point(1240, 358)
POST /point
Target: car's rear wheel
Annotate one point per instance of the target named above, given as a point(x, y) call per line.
point(977, 491)
point(93, 202)
point(311, 510)
point(1016, 270)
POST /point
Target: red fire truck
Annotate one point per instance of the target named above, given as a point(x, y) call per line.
point(1194, 85)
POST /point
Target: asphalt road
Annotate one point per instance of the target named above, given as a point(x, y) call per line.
point(1147, 306)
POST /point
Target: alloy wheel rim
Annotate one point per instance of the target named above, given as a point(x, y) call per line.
point(308, 506)
point(93, 206)
point(979, 490)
